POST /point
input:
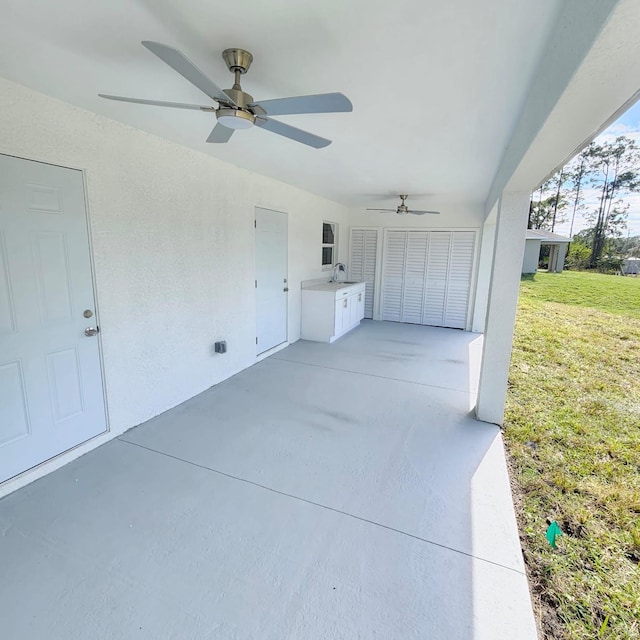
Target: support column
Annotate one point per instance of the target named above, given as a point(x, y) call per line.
point(508, 252)
point(562, 254)
point(553, 258)
point(484, 273)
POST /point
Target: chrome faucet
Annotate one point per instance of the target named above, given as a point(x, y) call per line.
point(338, 267)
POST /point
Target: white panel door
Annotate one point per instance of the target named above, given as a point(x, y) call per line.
point(51, 395)
point(362, 263)
point(271, 279)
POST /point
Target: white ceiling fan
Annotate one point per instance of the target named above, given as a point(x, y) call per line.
point(237, 109)
point(403, 210)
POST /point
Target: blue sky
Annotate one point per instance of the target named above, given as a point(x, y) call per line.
point(629, 125)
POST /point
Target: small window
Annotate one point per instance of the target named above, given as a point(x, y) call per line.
point(329, 233)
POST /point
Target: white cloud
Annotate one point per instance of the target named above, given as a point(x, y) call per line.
point(618, 129)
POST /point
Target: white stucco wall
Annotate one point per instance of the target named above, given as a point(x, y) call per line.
point(173, 245)
point(531, 256)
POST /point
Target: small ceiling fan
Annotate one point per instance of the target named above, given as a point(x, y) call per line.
point(403, 210)
point(237, 109)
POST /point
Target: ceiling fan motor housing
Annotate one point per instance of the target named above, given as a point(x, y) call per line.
point(237, 60)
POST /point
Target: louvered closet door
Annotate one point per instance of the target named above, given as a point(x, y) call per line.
point(459, 282)
point(393, 276)
point(416, 249)
point(433, 312)
point(427, 277)
point(362, 263)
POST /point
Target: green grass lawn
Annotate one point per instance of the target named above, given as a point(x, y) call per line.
point(572, 430)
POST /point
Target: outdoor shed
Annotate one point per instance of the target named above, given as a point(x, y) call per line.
point(558, 246)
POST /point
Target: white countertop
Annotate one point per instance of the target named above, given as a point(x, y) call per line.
point(331, 286)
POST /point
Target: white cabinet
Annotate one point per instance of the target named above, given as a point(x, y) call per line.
point(330, 310)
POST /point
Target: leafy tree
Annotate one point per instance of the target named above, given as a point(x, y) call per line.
point(579, 254)
point(578, 173)
point(611, 170)
point(547, 207)
point(628, 247)
point(542, 213)
point(615, 174)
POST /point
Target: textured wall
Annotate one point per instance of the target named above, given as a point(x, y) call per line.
point(173, 245)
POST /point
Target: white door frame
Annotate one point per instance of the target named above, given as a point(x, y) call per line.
point(474, 270)
point(47, 466)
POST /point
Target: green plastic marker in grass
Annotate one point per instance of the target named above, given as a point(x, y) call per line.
point(553, 532)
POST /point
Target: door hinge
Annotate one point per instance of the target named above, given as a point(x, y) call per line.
point(256, 284)
point(255, 224)
point(256, 339)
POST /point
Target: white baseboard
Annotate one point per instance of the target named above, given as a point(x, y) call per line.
point(44, 468)
point(271, 351)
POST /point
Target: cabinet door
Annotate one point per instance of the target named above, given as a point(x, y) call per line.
point(354, 309)
point(361, 306)
point(338, 319)
point(346, 311)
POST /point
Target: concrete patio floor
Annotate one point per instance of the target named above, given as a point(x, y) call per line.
point(328, 492)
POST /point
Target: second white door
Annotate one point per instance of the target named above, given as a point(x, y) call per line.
point(271, 279)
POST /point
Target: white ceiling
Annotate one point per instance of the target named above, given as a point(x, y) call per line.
point(436, 86)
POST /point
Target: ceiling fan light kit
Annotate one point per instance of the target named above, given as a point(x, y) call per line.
point(237, 109)
point(235, 118)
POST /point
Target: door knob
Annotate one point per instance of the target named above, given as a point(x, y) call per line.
point(91, 331)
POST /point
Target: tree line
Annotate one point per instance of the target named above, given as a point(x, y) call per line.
point(609, 171)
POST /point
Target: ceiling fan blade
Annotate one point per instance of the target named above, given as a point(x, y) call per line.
point(220, 133)
point(180, 63)
point(158, 103)
point(292, 133)
point(381, 210)
point(320, 103)
point(421, 213)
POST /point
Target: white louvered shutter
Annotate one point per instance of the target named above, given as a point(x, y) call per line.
point(459, 281)
point(356, 255)
point(393, 276)
point(362, 263)
point(427, 277)
point(414, 276)
point(436, 278)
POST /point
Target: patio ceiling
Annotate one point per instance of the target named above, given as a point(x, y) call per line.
point(437, 87)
